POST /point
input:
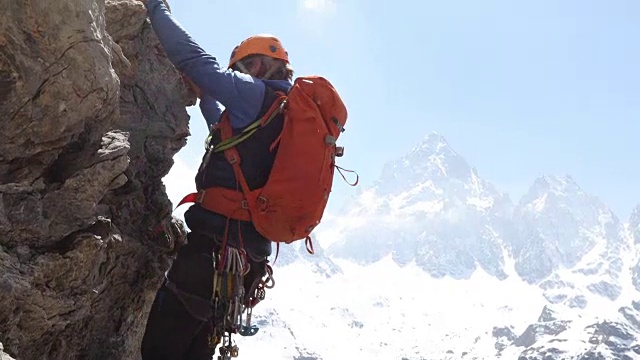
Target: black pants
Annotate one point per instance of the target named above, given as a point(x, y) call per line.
point(177, 326)
point(173, 333)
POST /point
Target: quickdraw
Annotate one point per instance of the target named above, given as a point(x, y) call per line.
point(228, 301)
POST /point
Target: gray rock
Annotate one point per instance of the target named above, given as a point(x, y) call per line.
point(606, 340)
point(548, 324)
point(605, 289)
point(548, 315)
point(318, 261)
point(534, 331)
point(578, 302)
point(504, 336)
point(93, 114)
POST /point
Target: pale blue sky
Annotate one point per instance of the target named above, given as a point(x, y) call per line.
point(519, 88)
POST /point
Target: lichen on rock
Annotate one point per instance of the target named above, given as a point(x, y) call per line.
point(93, 113)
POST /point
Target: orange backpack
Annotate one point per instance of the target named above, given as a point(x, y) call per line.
point(293, 200)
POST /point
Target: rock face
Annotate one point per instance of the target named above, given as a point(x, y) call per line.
point(92, 114)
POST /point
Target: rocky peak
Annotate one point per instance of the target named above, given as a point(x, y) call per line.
point(318, 261)
point(548, 315)
point(430, 207)
point(430, 160)
point(553, 192)
point(558, 223)
point(563, 184)
point(433, 143)
point(93, 114)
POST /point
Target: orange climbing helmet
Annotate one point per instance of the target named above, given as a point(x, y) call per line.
point(263, 44)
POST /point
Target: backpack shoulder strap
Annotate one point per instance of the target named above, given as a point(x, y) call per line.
point(229, 140)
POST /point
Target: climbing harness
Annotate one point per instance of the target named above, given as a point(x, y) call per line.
point(229, 301)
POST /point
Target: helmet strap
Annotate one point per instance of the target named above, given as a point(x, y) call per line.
point(242, 68)
point(268, 74)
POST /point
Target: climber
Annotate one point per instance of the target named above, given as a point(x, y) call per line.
point(266, 177)
point(178, 326)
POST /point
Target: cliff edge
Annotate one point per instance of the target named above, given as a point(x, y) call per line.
point(92, 115)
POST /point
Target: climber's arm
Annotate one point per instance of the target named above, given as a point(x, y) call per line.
point(211, 110)
point(238, 92)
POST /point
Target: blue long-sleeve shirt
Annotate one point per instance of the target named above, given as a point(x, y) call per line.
point(240, 94)
point(210, 109)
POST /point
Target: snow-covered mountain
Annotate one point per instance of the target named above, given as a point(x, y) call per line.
point(570, 244)
point(434, 262)
point(430, 207)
